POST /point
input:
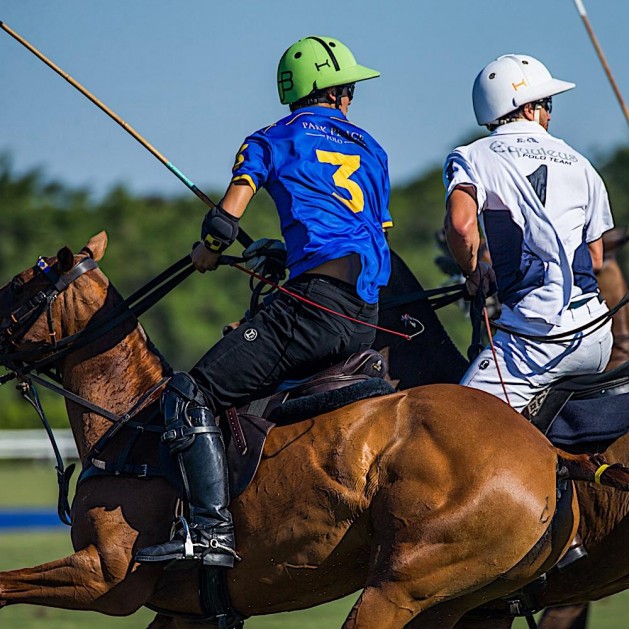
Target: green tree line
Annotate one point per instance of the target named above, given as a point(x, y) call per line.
point(148, 233)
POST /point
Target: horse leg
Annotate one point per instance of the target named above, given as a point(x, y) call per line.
point(110, 516)
point(568, 617)
point(389, 606)
point(485, 623)
point(86, 580)
point(406, 586)
point(380, 606)
point(161, 621)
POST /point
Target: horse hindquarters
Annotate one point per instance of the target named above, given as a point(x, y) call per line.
point(468, 488)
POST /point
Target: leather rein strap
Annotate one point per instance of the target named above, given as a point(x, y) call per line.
point(135, 305)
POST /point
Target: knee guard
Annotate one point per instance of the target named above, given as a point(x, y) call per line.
point(186, 414)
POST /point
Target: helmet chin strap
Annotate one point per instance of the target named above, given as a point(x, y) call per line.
point(536, 114)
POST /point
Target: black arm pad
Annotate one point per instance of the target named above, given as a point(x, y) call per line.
point(219, 229)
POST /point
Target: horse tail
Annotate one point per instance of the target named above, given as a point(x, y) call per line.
point(592, 468)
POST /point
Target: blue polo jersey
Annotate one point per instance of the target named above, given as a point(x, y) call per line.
point(330, 183)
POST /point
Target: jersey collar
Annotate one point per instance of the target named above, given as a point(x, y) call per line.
point(520, 127)
point(328, 112)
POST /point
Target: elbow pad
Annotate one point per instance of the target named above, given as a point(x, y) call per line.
point(219, 229)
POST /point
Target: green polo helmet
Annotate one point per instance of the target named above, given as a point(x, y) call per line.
point(314, 63)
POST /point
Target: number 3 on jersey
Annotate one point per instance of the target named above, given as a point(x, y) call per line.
point(347, 166)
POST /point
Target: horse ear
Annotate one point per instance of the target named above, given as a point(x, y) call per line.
point(96, 246)
point(65, 258)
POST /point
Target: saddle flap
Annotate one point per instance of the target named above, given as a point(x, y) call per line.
point(571, 411)
point(368, 362)
point(243, 463)
point(591, 384)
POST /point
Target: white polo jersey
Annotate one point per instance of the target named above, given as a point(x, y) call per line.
point(540, 203)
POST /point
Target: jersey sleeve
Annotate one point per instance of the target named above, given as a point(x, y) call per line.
point(253, 162)
point(385, 214)
point(458, 170)
point(598, 214)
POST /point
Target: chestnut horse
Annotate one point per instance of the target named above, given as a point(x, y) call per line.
point(606, 569)
point(435, 495)
point(613, 287)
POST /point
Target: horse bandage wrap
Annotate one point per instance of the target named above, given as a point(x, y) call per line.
point(219, 229)
point(599, 473)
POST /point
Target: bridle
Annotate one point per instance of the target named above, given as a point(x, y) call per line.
point(17, 323)
point(22, 364)
point(14, 326)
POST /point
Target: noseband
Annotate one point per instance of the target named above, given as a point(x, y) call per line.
point(15, 325)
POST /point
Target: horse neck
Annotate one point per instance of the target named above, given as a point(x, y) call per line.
point(613, 287)
point(429, 358)
point(112, 372)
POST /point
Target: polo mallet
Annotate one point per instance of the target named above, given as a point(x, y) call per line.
point(599, 51)
point(243, 238)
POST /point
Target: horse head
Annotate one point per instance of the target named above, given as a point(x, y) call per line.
point(63, 313)
point(51, 300)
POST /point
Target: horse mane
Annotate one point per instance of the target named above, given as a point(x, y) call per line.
point(435, 358)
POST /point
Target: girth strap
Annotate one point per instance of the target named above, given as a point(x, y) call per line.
point(215, 600)
point(139, 470)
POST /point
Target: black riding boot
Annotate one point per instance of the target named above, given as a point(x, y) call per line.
point(197, 445)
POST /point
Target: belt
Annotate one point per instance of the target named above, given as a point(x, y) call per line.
point(577, 304)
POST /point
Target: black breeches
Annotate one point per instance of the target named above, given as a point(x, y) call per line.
point(287, 339)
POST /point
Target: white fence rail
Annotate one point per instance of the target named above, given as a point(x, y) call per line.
point(34, 444)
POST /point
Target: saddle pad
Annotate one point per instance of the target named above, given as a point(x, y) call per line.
point(594, 419)
point(320, 403)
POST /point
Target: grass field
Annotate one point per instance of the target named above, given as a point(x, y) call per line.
point(35, 485)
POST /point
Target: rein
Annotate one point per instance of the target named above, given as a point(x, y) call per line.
point(437, 297)
point(564, 337)
point(134, 306)
point(118, 421)
point(63, 474)
point(138, 303)
point(389, 303)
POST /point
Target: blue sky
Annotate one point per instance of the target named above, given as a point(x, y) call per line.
point(195, 77)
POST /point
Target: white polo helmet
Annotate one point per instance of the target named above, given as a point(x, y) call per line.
point(510, 82)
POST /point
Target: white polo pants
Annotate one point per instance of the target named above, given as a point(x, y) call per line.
point(528, 367)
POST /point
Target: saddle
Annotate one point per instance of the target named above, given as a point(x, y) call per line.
point(583, 408)
point(246, 428)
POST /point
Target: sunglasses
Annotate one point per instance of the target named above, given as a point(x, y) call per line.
point(546, 103)
point(348, 90)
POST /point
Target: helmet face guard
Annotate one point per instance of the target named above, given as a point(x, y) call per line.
point(316, 63)
point(509, 82)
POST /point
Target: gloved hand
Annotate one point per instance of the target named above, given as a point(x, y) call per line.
point(266, 256)
point(204, 259)
point(482, 279)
